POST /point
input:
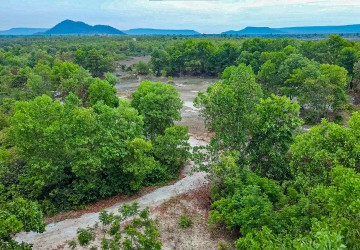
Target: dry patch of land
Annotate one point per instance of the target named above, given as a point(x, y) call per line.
point(194, 205)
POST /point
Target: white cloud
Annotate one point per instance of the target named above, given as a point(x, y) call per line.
point(216, 16)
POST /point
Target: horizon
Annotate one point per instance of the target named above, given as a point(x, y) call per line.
point(152, 28)
point(202, 16)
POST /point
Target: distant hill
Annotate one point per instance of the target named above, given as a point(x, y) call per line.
point(69, 27)
point(255, 31)
point(354, 28)
point(22, 31)
point(139, 32)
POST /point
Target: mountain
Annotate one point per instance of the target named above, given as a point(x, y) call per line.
point(21, 31)
point(354, 28)
point(139, 32)
point(69, 27)
point(254, 31)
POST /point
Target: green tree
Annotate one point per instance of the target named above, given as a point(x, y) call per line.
point(102, 91)
point(172, 148)
point(315, 153)
point(320, 88)
point(277, 119)
point(142, 68)
point(245, 200)
point(97, 62)
point(228, 107)
point(69, 77)
point(267, 77)
point(347, 58)
point(139, 162)
point(111, 79)
point(74, 155)
point(159, 104)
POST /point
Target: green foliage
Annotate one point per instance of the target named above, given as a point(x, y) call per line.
point(315, 153)
point(139, 163)
point(69, 77)
point(111, 79)
point(242, 199)
point(320, 88)
point(347, 58)
point(97, 62)
point(102, 91)
point(271, 136)
point(159, 104)
point(228, 106)
point(316, 209)
point(67, 155)
point(142, 68)
point(85, 236)
point(16, 216)
point(184, 221)
point(172, 148)
point(73, 145)
point(140, 231)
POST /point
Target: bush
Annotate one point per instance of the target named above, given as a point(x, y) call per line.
point(184, 221)
point(85, 236)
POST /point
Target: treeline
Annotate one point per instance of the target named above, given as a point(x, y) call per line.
point(278, 187)
point(211, 57)
point(316, 73)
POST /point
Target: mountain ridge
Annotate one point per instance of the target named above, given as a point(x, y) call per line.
point(327, 29)
point(69, 27)
point(22, 31)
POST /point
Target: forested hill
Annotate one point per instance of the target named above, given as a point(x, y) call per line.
point(354, 28)
point(139, 32)
point(22, 31)
point(69, 27)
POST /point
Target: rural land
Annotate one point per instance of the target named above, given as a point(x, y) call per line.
point(149, 139)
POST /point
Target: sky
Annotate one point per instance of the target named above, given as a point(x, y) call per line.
point(205, 16)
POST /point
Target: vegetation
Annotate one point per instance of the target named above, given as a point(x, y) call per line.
point(281, 189)
point(159, 104)
point(67, 140)
point(140, 233)
point(185, 222)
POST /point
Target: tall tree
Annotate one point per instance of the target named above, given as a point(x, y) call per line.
point(272, 133)
point(228, 106)
point(159, 104)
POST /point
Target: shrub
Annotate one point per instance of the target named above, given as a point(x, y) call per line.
point(184, 221)
point(85, 236)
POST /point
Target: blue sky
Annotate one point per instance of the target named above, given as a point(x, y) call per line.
point(204, 16)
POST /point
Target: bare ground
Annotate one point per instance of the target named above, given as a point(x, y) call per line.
point(195, 205)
